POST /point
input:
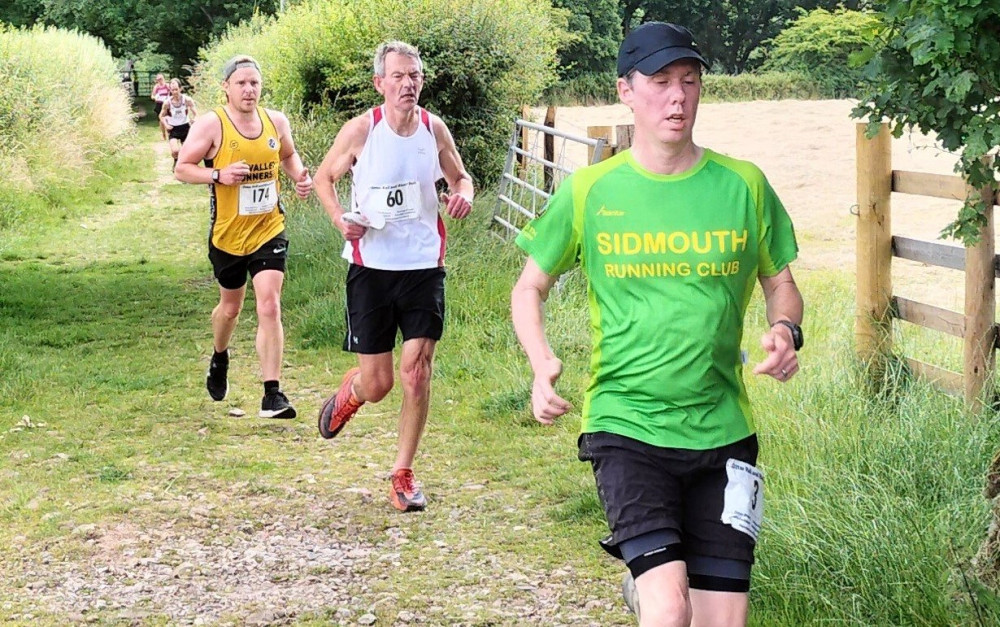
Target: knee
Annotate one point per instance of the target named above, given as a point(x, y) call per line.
point(667, 609)
point(664, 603)
point(375, 386)
point(268, 309)
point(228, 311)
point(416, 376)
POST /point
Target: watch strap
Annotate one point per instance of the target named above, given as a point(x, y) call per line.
point(796, 332)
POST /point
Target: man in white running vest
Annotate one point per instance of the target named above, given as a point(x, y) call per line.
point(395, 243)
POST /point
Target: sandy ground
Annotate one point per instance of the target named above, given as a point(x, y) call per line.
point(807, 151)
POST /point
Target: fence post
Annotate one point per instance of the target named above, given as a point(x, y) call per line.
point(522, 138)
point(599, 132)
point(980, 308)
point(873, 321)
point(623, 137)
point(550, 146)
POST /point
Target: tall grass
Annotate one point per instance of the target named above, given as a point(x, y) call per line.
point(62, 109)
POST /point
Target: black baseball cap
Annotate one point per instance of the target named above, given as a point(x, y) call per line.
point(655, 45)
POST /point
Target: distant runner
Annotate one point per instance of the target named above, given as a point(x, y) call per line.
point(242, 145)
point(176, 114)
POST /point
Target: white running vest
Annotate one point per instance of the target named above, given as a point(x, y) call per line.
point(178, 113)
point(395, 176)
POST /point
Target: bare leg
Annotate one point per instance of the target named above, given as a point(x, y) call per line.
point(175, 148)
point(722, 609)
point(270, 334)
point(374, 381)
point(225, 316)
point(663, 596)
point(415, 369)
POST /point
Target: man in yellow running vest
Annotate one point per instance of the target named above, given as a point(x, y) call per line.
point(242, 145)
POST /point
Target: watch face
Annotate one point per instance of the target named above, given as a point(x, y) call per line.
point(797, 336)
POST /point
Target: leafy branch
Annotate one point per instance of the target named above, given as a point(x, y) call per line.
point(934, 65)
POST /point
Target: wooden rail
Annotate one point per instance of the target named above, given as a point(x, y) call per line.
point(876, 246)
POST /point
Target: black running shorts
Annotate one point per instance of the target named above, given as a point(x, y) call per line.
point(179, 132)
point(380, 302)
point(645, 488)
point(231, 270)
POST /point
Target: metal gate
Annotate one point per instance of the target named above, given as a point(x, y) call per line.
point(534, 169)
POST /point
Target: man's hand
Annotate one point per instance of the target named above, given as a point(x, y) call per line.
point(781, 362)
point(546, 405)
point(234, 173)
point(350, 230)
point(304, 184)
point(456, 205)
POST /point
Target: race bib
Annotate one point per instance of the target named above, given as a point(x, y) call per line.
point(743, 509)
point(258, 198)
point(397, 202)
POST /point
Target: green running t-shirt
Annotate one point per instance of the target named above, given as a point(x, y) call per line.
point(671, 262)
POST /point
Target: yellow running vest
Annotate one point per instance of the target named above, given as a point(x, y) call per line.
point(248, 215)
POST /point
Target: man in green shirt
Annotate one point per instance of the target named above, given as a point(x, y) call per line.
point(671, 238)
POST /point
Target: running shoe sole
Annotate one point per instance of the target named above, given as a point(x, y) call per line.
point(288, 412)
point(409, 507)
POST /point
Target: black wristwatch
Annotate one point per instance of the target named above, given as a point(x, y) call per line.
point(215, 176)
point(796, 330)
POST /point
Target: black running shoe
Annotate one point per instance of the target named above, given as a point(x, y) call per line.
point(217, 381)
point(276, 405)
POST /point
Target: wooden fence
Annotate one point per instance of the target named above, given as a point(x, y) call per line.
point(876, 246)
point(622, 139)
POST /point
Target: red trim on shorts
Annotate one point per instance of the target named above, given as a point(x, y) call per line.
point(443, 234)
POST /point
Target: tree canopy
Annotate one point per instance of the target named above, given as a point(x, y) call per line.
point(729, 32)
point(176, 29)
point(935, 66)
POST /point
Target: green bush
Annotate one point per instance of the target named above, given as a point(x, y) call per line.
point(586, 89)
point(819, 43)
point(763, 86)
point(62, 109)
point(482, 60)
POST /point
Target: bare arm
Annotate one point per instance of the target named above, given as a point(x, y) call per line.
point(458, 203)
point(291, 163)
point(338, 161)
point(784, 302)
point(202, 141)
point(192, 110)
point(526, 309)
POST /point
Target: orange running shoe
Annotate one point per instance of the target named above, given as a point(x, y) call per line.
point(340, 407)
point(404, 493)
